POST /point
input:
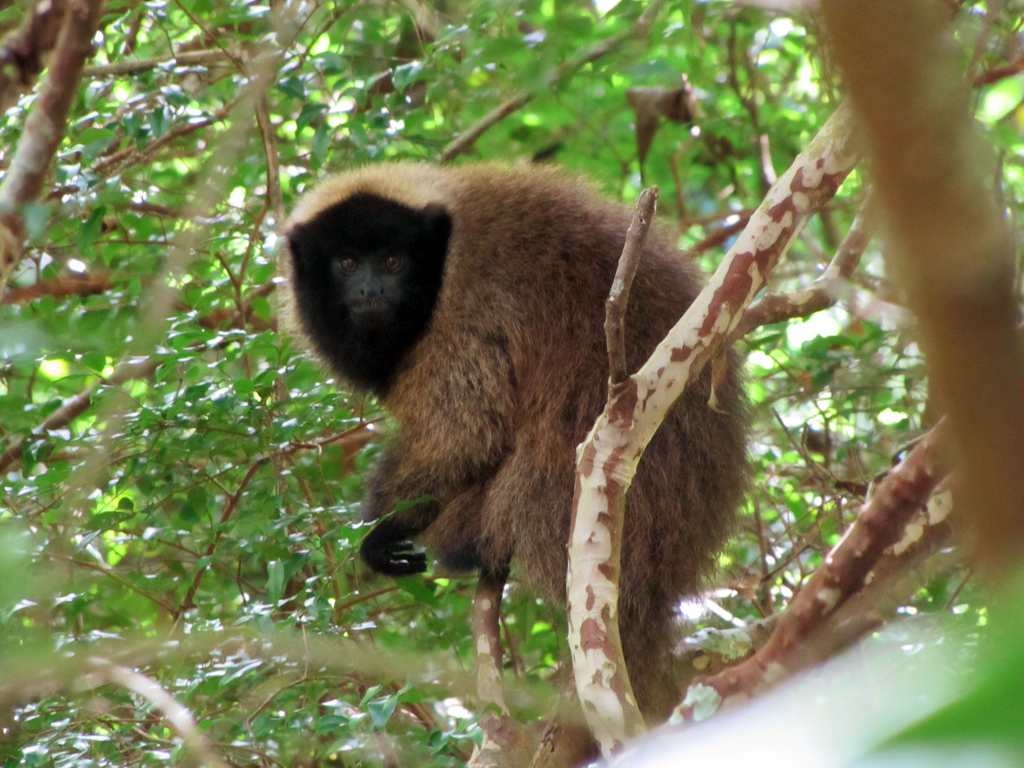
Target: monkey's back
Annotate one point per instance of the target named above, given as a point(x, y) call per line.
point(532, 258)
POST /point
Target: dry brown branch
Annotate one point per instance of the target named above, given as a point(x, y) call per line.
point(239, 317)
point(822, 293)
point(225, 516)
point(274, 199)
point(950, 247)
point(567, 68)
point(66, 285)
point(719, 235)
point(183, 59)
point(76, 405)
point(996, 74)
point(44, 129)
point(22, 51)
point(881, 523)
point(129, 155)
point(618, 297)
point(177, 714)
point(137, 367)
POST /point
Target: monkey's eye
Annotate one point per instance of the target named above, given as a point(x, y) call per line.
point(348, 265)
point(393, 263)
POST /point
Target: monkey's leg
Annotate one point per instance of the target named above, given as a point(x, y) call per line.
point(454, 536)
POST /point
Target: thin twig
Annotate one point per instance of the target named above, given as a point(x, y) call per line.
point(183, 59)
point(567, 68)
point(618, 297)
point(177, 714)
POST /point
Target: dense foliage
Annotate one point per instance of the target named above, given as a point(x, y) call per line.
point(197, 520)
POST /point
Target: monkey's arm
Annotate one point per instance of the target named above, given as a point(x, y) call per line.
point(455, 410)
point(388, 548)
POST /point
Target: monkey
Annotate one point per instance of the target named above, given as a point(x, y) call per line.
point(470, 300)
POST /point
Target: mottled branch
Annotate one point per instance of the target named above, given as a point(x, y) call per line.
point(505, 742)
point(882, 522)
point(819, 295)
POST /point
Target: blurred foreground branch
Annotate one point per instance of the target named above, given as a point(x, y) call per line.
point(951, 248)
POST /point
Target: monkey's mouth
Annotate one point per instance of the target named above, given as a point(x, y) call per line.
point(369, 308)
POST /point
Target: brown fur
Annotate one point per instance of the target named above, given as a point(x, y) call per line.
point(511, 375)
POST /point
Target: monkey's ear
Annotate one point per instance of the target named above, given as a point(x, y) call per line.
point(437, 224)
point(295, 245)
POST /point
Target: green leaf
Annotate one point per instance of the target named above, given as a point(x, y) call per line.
point(275, 580)
point(381, 709)
point(406, 74)
point(90, 230)
point(1000, 99)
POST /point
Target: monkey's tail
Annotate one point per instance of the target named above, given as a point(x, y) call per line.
point(646, 643)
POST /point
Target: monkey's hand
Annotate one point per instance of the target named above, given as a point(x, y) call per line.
point(390, 554)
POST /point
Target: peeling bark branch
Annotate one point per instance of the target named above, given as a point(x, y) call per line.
point(569, 67)
point(702, 332)
point(595, 539)
point(950, 247)
point(505, 743)
point(881, 523)
point(636, 406)
point(819, 295)
point(44, 129)
point(486, 633)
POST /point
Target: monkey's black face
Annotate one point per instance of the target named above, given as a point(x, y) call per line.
point(367, 275)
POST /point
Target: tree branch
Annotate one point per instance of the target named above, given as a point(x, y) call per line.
point(609, 456)
point(950, 247)
point(76, 405)
point(881, 523)
point(598, 511)
point(566, 69)
point(822, 293)
point(177, 714)
point(618, 297)
point(44, 129)
point(505, 743)
point(22, 51)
